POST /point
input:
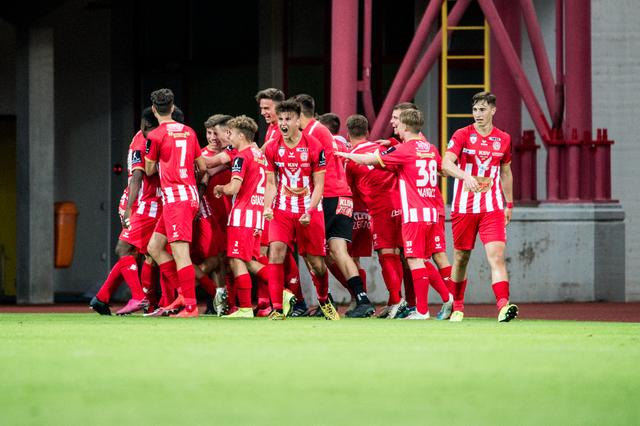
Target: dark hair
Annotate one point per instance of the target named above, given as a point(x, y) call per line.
point(413, 119)
point(217, 120)
point(177, 115)
point(288, 106)
point(307, 104)
point(488, 97)
point(162, 99)
point(245, 125)
point(272, 93)
point(357, 125)
point(148, 117)
point(331, 121)
point(405, 105)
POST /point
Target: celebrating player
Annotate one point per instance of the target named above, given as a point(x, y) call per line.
point(416, 163)
point(483, 173)
point(174, 148)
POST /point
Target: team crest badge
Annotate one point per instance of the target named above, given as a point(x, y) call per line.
point(281, 151)
point(496, 145)
point(473, 138)
point(304, 156)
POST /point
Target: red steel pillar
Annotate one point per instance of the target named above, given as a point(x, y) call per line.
point(509, 103)
point(344, 57)
point(578, 93)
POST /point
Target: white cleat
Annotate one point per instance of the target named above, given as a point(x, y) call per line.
point(447, 308)
point(394, 309)
point(415, 315)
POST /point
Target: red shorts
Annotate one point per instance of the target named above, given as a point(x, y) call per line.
point(206, 239)
point(362, 238)
point(418, 239)
point(178, 219)
point(286, 227)
point(439, 237)
point(140, 230)
point(264, 240)
point(243, 243)
point(387, 229)
point(466, 226)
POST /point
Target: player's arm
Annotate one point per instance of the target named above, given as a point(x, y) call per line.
point(507, 187)
point(368, 159)
point(269, 195)
point(232, 188)
point(316, 196)
point(220, 159)
point(134, 189)
point(150, 167)
point(450, 168)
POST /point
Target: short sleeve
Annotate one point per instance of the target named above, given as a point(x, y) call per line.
point(506, 159)
point(396, 155)
point(456, 143)
point(152, 149)
point(137, 155)
point(268, 155)
point(319, 161)
point(197, 152)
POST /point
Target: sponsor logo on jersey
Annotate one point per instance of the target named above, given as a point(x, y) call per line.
point(322, 161)
point(302, 149)
point(281, 151)
point(468, 151)
point(494, 138)
point(236, 167)
point(473, 138)
point(496, 145)
point(498, 154)
point(136, 157)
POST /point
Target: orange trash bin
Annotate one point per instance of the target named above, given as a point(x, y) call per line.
point(66, 214)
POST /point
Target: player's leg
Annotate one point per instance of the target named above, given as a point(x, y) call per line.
point(186, 277)
point(420, 277)
point(465, 229)
point(242, 289)
point(320, 275)
point(167, 266)
point(277, 254)
point(340, 254)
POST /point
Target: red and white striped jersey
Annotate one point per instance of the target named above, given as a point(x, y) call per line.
point(175, 147)
point(479, 156)
point(148, 202)
point(294, 169)
point(416, 163)
point(248, 204)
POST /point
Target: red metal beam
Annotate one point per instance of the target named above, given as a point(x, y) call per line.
point(540, 55)
point(518, 74)
point(557, 119)
point(365, 83)
point(406, 66)
point(578, 65)
point(344, 57)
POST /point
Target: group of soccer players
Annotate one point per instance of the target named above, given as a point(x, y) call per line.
point(233, 215)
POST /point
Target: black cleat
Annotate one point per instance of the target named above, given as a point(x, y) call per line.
point(100, 307)
point(362, 310)
point(300, 309)
point(210, 309)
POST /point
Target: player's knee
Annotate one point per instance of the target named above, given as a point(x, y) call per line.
point(124, 249)
point(317, 265)
point(277, 254)
point(462, 256)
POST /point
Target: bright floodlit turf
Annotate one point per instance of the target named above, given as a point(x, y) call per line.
point(85, 369)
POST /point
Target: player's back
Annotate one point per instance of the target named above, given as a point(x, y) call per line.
point(178, 149)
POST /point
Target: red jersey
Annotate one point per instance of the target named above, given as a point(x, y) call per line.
point(175, 147)
point(335, 182)
point(295, 168)
point(479, 156)
point(273, 133)
point(416, 163)
point(148, 202)
point(378, 188)
point(210, 204)
point(248, 204)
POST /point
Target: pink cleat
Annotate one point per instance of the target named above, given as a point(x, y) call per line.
point(133, 305)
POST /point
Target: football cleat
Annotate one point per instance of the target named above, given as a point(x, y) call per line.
point(132, 306)
point(159, 312)
point(507, 313)
point(329, 311)
point(456, 316)
point(299, 310)
point(99, 306)
point(405, 312)
point(288, 302)
point(352, 306)
point(175, 305)
point(384, 313)
point(277, 316)
point(221, 301)
point(415, 315)
point(186, 313)
point(447, 308)
point(394, 309)
point(363, 310)
point(263, 312)
point(241, 313)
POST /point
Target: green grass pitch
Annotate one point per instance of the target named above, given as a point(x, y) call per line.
point(84, 369)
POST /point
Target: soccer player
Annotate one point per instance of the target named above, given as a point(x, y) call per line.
point(332, 122)
point(141, 207)
point(416, 163)
point(297, 163)
point(483, 174)
point(247, 186)
point(174, 148)
point(379, 190)
point(337, 205)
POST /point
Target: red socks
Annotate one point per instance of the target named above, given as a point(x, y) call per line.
point(273, 274)
point(207, 284)
point(393, 281)
point(187, 278)
point(501, 291)
point(421, 286)
point(243, 290)
point(231, 290)
point(263, 287)
point(458, 294)
point(409, 293)
point(111, 284)
point(148, 283)
point(363, 277)
point(168, 282)
point(322, 286)
point(436, 282)
point(291, 271)
point(129, 270)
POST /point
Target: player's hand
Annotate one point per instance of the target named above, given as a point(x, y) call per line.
point(383, 142)
point(507, 215)
point(471, 184)
point(341, 154)
point(268, 213)
point(305, 219)
point(126, 218)
point(218, 191)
